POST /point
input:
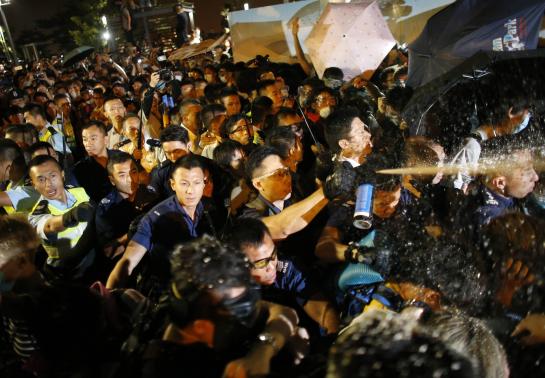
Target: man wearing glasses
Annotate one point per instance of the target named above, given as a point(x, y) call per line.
point(281, 280)
point(274, 203)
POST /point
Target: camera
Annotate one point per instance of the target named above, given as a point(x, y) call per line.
point(166, 75)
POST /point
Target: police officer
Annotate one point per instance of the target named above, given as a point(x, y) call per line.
point(63, 219)
point(127, 200)
point(35, 115)
point(179, 218)
point(281, 280)
point(175, 142)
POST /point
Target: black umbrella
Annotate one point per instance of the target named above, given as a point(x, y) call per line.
point(467, 26)
point(459, 97)
point(77, 54)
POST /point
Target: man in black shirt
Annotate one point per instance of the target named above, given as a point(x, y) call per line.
point(91, 171)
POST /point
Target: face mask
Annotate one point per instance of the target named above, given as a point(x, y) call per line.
point(230, 331)
point(223, 79)
point(5, 286)
point(523, 124)
point(178, 77)
point(325, 112)
point(208, 78)
point(333, 83)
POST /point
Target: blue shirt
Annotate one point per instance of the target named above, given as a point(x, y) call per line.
point(494, 205)
point(292, 282)
point(157, 225)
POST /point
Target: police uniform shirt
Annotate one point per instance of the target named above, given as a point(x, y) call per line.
point(291, 284)
point(54, 137)
point(38, 219)
point(114, 213)
point(160, 180)
point(163, 227)
point(493, 206)
point(22, 197)
point(93, 177)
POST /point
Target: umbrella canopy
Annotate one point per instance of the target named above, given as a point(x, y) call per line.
point(77, 54)
point(190, 51)
point(458, 99)
point(353, 37)
point(468, 26)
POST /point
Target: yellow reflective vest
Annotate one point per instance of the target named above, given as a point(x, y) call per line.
point(72, 234)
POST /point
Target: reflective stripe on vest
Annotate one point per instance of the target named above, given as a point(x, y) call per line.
point(9, 209)
point(72, 233)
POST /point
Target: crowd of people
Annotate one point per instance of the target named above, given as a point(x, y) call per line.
point(208, 218)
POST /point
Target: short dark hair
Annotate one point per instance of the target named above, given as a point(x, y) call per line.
point(256, 158)
point(26, 130)
point(100, 125)
point(42, 159)
point(284, 113)
point(39, 146)
point(223, 153)
point(230, 122)
point(117, 157)
point(187, 162)
point(209, 112)
point(10, 151)
point(338, 126)
point(184, 106)
point(248, 232)
point(282, 139)
point(333, 73)
point(35, 110)
point(212, 92)
point(203, 265)
point(262, 85)
point(174, 133)
point(316, 91)
point(228, 91)
point(261, 108)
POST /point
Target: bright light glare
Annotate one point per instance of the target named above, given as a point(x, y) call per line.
point(246, 6)
point(104, 20)
point(106, 35)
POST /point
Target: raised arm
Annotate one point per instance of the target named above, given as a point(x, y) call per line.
point(295, 217)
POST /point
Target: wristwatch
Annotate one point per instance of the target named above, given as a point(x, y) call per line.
point(268, 339)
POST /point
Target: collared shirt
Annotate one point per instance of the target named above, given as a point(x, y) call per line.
point(39, 221)
point(493, 206)
point(290, 282)
point(115, 214)
point(56, 139)
point(162, 224)
point(114, 138)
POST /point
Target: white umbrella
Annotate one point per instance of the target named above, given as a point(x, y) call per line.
point(353, 37)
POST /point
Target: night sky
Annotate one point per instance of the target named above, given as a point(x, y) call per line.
point(22, 14)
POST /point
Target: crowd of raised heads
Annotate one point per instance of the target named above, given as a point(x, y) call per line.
point(209, 218)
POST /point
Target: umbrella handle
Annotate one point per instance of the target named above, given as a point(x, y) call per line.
point(318, 144)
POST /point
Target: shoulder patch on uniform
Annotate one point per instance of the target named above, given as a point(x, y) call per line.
point(52, 130)
point(105, 201)
point(42, 208)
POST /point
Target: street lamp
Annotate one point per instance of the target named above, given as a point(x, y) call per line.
point(246, 6)
point(106, 35)
point(8, 33)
